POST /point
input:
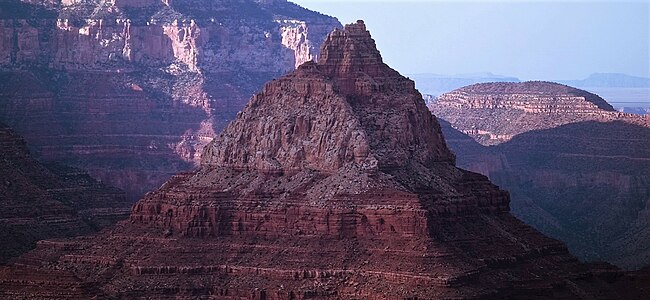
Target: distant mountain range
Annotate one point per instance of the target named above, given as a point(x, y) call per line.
point(610, 80)
point(630, 94)
point(436, 84)
point(635, 110)
point(627, 93)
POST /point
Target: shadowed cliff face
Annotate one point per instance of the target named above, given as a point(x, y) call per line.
point(39, 202)
point(576, 169)
point(334, 182)
point(133, 90)
point(585, 183)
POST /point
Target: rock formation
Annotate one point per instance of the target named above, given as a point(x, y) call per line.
point(132, 90)
point(333, 182)
point(39, 202)
point(515, 108)
point(584, 182)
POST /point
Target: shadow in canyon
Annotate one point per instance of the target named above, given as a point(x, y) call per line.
point(586, 183)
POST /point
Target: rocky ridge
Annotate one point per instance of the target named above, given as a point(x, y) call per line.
point(39, 202)
point(493, 113)
point(132, 90)
point(358, 198)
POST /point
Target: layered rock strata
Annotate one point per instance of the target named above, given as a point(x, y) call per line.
point(334, 182)
point(39, 202)
point(584, 182)
point(131, 91)
point(493, 113)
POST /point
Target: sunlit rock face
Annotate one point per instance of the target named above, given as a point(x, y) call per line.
point(495, 112)
point(132, 90)
point(334, 182)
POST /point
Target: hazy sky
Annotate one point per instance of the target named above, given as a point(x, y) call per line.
point(527, 39)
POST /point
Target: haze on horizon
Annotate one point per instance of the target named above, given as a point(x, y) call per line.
point(531, 40)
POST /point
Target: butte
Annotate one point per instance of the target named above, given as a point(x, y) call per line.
point(334, 182)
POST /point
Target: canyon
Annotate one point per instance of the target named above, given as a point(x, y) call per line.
point(132, 90)
point(576, 169)
point(40, 201)
point(334, 182)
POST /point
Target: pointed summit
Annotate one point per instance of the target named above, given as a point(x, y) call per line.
point(346, 52)
point(348, 109)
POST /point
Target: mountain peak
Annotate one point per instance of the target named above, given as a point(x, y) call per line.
point(350, 51)
point(349, 108)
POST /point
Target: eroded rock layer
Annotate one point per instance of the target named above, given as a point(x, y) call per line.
point(334, 182)
point(493, 113)
point(39, 202)
point(584, 182)
point(132, 91)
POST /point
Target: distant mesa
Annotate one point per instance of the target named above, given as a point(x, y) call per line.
point(493, 113)
point(610, 80)
point(334, 182)
point(549, 96)
point(436, 84)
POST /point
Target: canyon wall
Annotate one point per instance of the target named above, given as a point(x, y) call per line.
point(48, 201)
point(131, 91)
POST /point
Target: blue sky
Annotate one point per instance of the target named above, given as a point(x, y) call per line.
point(545, 40)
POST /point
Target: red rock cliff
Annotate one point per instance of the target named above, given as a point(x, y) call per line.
point(295, 200)
point(133, 90)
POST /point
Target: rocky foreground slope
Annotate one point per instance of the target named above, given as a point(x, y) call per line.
point(580, 173)
point(132, 90)
point(334, 182)
point(39, 202)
